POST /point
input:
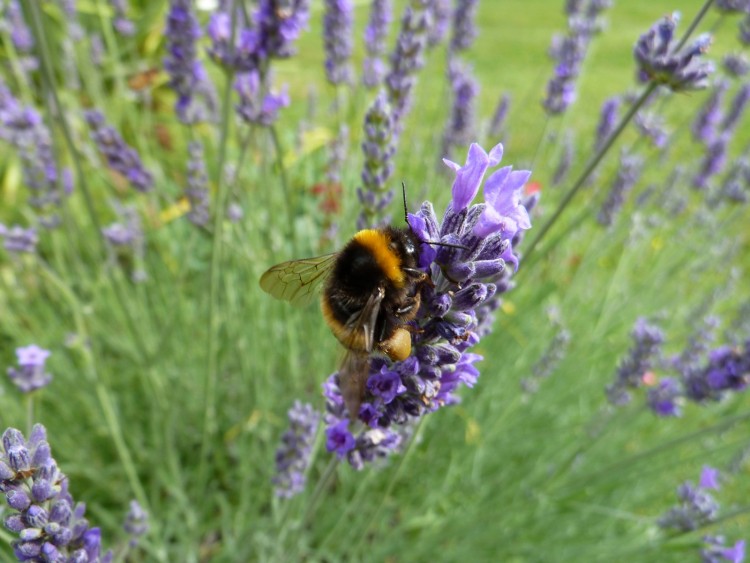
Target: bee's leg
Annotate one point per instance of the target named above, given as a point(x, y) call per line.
point(409, 304)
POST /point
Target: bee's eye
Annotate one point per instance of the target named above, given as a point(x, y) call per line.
point(408, 247)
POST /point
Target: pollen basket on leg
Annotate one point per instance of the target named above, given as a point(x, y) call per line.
point(379, 244)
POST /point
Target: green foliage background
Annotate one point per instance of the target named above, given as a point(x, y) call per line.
point(157, 398)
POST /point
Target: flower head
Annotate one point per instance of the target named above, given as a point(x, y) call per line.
point(119, 155)
point(196, 96)
point(50, 526)
point(659, 63)
point(16, 239)
point(30, 374)
point(293, 455)
point(136, 522)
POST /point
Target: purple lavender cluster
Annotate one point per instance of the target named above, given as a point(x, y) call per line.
point(697, 505)
point(136, 523)
point(378, 148)
point(120, 157)
point(274, 27)
point(631, 166)
point(122, 24)
point(659, 63)
point(640, 359)
point(271, 33)
point(375, 36)
point(24, 129)
point(16, 239)
point(49, 525)
point(407, 59)
point(569, 51)
point(464, 26)
point(20, 35)
point(196, 189)
point(257, 104)
point(703, 374)
point(196, 96)
point(338, 23)
point(293, 456)
point(125, 237)
point(460, 128)
point(716, 550)
point(455, 314)
point(30, 374)
point(715, 127)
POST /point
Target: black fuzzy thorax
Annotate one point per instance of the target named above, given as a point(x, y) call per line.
point(357, 275)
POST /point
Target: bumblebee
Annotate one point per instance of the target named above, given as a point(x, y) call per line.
point(372, 290)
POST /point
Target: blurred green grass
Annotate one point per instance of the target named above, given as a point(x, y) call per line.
point(499, 477)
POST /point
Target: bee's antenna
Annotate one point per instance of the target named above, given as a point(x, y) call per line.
point(403, 191)
point(449, 245)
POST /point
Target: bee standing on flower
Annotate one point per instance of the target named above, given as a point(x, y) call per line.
point(372, 292)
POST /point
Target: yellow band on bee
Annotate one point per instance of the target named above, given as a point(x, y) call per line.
point(379, 244)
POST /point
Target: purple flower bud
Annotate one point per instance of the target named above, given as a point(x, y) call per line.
point(196, 189)
point(664, 398)
point(385, 385)
point(339, 439)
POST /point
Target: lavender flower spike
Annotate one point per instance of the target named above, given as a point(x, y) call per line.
point(197, 186)
point(642, 356)
point(678, 71)
point(461, 126)
point(696, 507)
point(30, 374)
point(464, 26)
point(18, 240)
point(715, 551)
point(455, 314)
point(120, 157)
point(378, 148)
point(42, 511)
point(338, 22)
point(497, 125)
point(704, 127)
point(136, 523)
point(188, 78)
point(293, 456)
point(607, 121)
point(630, 170)
point(375, 36)
point(257, 106)
point(407, 59)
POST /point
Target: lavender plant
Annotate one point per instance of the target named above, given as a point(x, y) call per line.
point(31, 373)
point(375, 35)
point(454, 316)
point(49, 525)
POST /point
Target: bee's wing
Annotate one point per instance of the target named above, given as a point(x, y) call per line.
point(355, 368)
point(296, 280)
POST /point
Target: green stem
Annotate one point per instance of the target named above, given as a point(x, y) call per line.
point(329, 471)
point(285, 187)
point(214, 321)
point(392, 483)
point(694, 25)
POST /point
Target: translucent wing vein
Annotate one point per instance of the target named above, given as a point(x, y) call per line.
point(296, 281)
